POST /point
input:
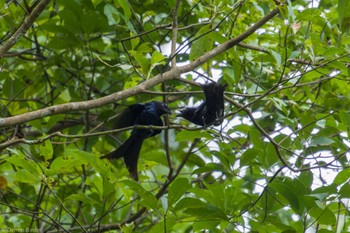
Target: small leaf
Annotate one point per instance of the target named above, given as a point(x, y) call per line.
point(164, 202)
point(323, 216)
point(126, 9)
point(344, 14)
point(255, 137)
point(177, 189)
point(342, 177)
point(191, 135)
point(321, 141)
point(63, 164)
point(132, 83)
point(189, 202)
point(271, 156)
point(306, 178)
point(147, 198)
point(127, 228)
point(209, 167)
point(157, 58)
point(112, 14)
point(83, 198)
point(142, 60)
point(96, 2)
point(144, 48)
point(202, 44)
point(28, 165)
point(27, 177)
point(201, 226)
point(249, 156)
point(345, 191)
point(277, 57)
point(46, 150)
point(287, 192)
point(345, 118)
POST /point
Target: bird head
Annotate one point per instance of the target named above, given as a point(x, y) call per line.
point(161, 108)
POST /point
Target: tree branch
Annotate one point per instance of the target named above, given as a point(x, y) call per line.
point(160, 78)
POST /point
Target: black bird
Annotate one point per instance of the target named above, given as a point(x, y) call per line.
point(138, 114)
point(211, 110)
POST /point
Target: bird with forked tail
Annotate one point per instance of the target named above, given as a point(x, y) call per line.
point(138, 114)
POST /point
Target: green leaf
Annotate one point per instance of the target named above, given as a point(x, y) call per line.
point(127, 12)
point(71, 19)
point(186, 135)
point(255, 137)
point(46, 150)
point(112, 14)
point(189, 202)
point(63, 165)
point(177, 189)
point(142, 60)
point(277, 57)
point(30, 167)
point(144, 48)
point(345, 191)
point(306, 178)
point(271, 156)
point(344, 14)
point(26, 176)
point(209, 167)
point(128, 228)
point(96, 2)
point(65, 96)
point(167, 224)
point(134, 42)
point(288, 192)
point(157, 58)
point(322, 193)
point(199, 226)
point(342, 177)
point(345, 118)
point(83, 198)
point(91, 22)
point(132, 83)
point(325, 231)
point(64, 42)
point(323, 216)
point(147, 198)
point(249, 156)
point(321, 141)
point(202, 44)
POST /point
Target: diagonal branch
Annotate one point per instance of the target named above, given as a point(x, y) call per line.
point(160, 78)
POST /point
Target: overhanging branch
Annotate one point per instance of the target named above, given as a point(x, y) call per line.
point(173, 73)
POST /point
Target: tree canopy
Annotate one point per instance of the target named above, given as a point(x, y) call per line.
point(278, 162)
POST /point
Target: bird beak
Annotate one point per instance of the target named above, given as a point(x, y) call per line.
point(169, 111)
point(166, 109)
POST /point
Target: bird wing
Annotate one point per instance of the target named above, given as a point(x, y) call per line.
point(128, 116)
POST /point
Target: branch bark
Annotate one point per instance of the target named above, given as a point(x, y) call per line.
point(160, 78)
point(28, 22)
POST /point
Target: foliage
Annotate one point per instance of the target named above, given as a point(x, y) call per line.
point(278, 163)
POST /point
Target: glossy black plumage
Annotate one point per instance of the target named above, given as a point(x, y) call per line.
point(209, 111)
point(138, 114)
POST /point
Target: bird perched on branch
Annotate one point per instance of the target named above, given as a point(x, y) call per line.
point(138, 114)
point(211, 110)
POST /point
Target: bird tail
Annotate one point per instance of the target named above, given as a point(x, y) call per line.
point(120, 152)
point(130, 151)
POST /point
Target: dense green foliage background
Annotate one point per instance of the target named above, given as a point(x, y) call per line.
point(278, 163)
